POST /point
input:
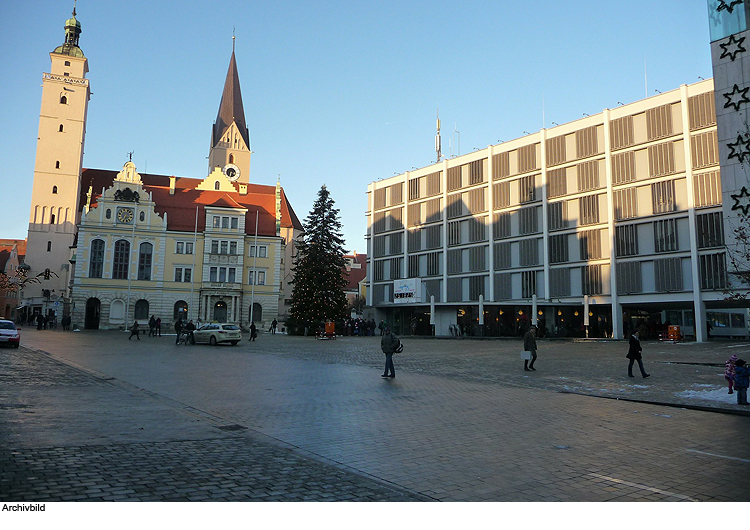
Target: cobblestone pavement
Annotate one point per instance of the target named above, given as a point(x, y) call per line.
point(461, 421)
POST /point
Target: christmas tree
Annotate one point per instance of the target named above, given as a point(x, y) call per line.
point(319, 268)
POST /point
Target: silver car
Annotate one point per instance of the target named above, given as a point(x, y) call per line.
point(217, 333)
point(9, 334)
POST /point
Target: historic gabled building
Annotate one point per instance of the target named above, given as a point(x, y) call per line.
point(211, 249)
point(12, 253)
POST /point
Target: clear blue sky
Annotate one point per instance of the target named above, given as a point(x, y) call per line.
point(335, 92)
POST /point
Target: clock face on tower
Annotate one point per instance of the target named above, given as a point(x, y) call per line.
point(125, 215)
point(232, 172)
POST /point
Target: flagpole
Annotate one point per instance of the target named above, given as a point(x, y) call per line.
point(192, 273)
point(130, 272)
point(255, 272)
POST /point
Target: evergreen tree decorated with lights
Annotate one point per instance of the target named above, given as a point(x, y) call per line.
point(319, 267)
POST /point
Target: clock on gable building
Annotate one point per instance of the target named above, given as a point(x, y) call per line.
point(125, 215)
point(232, 172)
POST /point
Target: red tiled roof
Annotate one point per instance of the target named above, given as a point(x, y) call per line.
point(6, 246)
point(354, 276)
point(181, 207)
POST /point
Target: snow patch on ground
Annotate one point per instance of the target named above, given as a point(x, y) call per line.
point(713, 394)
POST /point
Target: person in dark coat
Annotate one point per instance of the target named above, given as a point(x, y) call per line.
point(634, 354)
point(253, 332)
point(741, 381)
point(529, 344)
point(152, 327)
point(134, 330)
point(178, 328)
point(388, 344)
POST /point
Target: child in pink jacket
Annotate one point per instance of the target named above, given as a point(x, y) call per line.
point(729, 371)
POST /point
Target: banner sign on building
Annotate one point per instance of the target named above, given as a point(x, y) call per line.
point(406, 291)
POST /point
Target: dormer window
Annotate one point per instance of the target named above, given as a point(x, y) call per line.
point(231, 159)
point(216, 185)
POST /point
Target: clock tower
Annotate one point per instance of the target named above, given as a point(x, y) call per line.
point(230, 140)
point(57, 173)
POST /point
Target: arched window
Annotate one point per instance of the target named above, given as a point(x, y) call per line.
point(180, 310)
point(141, 310)
point(117, 311)
point(257, 315)
point(54, 190)
point(57, 164)
point(144, 261)
point(120, 260)
point(142, 217)
point(108, 214)
point(216, 185)
point(96, 259)
point(64, 100)
point(49, 246)
point(231, 159)
point(61, 128)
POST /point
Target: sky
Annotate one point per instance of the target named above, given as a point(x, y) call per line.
point(336, 93)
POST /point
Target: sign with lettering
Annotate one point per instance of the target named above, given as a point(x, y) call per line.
point(406, 291)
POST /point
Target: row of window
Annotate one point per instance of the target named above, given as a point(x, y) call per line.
point(121, 260)
point(667, 276)
point(219, 221)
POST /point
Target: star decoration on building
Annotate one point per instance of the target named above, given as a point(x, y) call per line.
point(740, 149)
point(729, 7)
point(736, 97)
point(741, 201)
point(732, 47)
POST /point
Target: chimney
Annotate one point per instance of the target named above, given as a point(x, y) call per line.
point(172, 182)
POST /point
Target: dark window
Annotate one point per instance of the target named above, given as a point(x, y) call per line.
point(57, 164)
point(144, 261)
point(96, 259)
point(64, 100)
point(120, 260)
point(141, 310)
point(49, 246)
point(54, 190)
point(52, 219)
point(61, 128)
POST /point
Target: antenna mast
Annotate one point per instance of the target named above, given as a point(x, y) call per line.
point(438, 145)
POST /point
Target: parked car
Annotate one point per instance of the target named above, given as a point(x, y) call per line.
point(9, 333)
point(217, 333)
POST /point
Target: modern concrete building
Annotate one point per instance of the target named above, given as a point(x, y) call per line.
point(113, 247)
point(598, 226)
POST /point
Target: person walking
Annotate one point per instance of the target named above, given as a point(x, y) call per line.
point(152, 326)
point(741, 381)
point(253, 332)
point(529, 344)
point(388, 344)
point(634, 354)
point(729, 367)
point(134, 330)
point(178, 328)
point(189, 328)
point(158, 327)
point(274, 323)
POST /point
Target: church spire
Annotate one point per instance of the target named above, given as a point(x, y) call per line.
point(72, 34)
point(230, 108)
